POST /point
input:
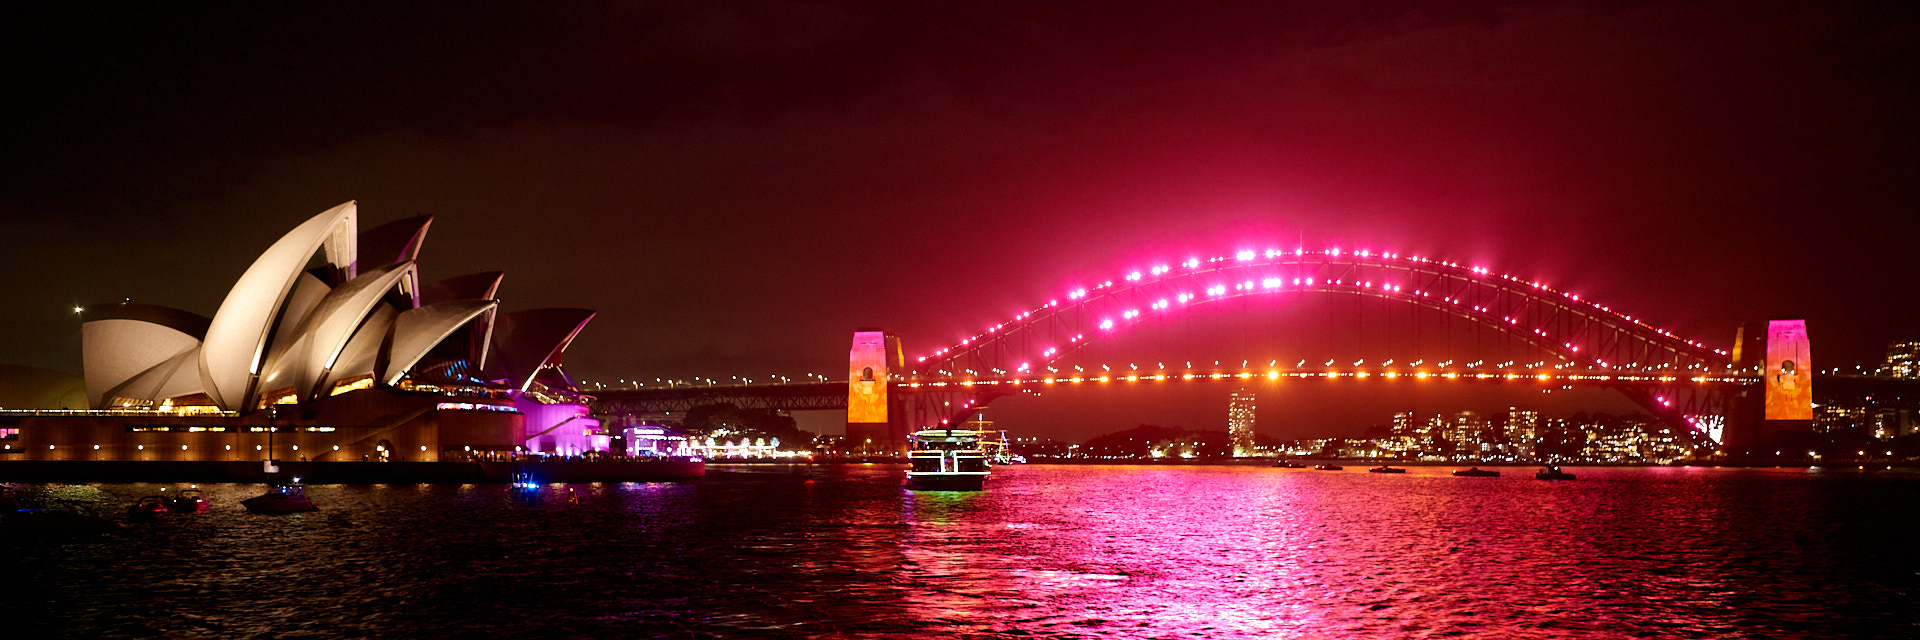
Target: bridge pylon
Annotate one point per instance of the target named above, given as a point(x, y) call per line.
point(876, 421)
point(1774, 418)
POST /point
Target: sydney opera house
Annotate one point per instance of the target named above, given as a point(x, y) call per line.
point(330, 347)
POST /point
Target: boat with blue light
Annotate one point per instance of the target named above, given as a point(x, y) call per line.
point(57, 517)
point(280, 498)
point(524, 488)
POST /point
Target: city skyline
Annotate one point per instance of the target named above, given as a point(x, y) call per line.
point(737, 189)
point(880, 319)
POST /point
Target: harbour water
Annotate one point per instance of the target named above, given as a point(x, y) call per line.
point(843, 551)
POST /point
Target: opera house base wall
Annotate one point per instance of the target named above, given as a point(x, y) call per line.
point(377, 435)
point(371, 425)
point(215, 472)
point(350, 472)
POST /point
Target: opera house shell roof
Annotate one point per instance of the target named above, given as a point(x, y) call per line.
point(326, 309)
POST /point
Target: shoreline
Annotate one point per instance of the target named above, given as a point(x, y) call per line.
point(72, 471)
point(1268, 462)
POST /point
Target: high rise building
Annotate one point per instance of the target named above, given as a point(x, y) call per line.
point(1522, 431)
point(1465, 431)
point(1890, 423)
point(1903, 360)
point(1240, 423)
point(1436, 429)
point(1836, 418)
point(1403, 424)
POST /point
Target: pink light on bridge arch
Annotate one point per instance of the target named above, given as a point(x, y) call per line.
point(1157, 272)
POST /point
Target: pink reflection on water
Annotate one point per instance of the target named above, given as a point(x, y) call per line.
point(1232, 552)
point(1118, 552)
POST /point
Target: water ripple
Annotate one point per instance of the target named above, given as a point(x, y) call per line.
point(1048, 551)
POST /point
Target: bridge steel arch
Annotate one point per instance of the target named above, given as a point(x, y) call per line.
point(1572, 333)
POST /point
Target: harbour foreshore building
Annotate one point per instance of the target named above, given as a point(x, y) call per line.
point(1521, 432)
point(329, 347)
point(1403, 424)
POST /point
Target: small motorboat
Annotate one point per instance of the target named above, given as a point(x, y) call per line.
point(523, 488)
point(65, 516)
point(188, 501)
point(281, 498)
point(1289, 464)
point(1328, 467)
point(1476, 472)
point(1552, 473)
point(1386, 469)
point(148, 509)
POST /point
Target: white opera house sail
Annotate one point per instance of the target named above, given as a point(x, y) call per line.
point(324, 310)
point(330, 336)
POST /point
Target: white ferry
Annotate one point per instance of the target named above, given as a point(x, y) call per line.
point(947, 460)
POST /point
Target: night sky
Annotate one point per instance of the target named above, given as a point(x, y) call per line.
point(736, 187)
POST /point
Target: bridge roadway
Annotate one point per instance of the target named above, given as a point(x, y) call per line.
point(791, 396)
point(1848, 390)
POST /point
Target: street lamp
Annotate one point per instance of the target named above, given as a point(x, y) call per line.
point(273, 413)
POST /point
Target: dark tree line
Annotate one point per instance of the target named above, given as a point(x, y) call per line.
point(728, 422)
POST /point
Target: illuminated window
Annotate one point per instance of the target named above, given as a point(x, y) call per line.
point(353, 384)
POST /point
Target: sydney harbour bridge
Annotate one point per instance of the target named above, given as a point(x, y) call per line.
point(1411, 319)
